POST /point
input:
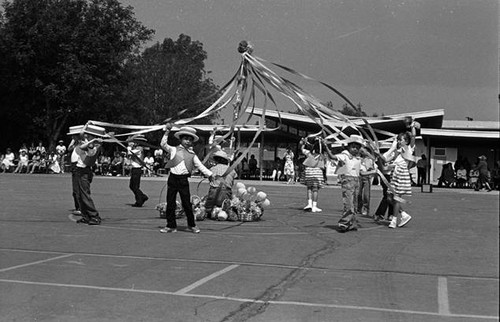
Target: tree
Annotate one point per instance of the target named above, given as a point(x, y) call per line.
point(61, 60)
point(168, 78)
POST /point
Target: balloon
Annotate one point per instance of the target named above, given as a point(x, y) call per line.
point(261, 196)
point(251, 190)
point(215, 212)
point(222, 215)
point(240, 185)
point(266, 203)
point(242, 192)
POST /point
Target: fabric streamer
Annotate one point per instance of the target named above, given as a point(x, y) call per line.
point(254, 79)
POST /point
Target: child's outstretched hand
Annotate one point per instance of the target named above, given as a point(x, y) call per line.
point(168, 127)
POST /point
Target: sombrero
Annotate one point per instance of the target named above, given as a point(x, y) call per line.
point(354, 138)
point(221, 154)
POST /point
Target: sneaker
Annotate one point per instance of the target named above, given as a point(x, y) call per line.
point(390, 218)
point(393, 222)
point(343, 227)
point(308, 207)
point(168, 230)
point(82, 220)
point(405, 218)
point(194, 230)
point(94, 221)
point(76, 213)
point(316, 209)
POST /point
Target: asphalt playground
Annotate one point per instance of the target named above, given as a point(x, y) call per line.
point(291, 266)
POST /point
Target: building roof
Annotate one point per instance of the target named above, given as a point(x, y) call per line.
point(460, 133)
point(471, 125)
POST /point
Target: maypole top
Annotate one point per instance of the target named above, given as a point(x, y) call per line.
point(245, 46)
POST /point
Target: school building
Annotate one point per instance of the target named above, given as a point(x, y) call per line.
point(442, 141)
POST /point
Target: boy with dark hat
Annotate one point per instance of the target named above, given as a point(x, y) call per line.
point(182, 161)
point(136, 152)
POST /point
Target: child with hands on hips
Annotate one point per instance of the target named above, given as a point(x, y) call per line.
point(182, 161)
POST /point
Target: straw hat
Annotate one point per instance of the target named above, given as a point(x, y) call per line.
point(94, 130)
point(187, 130)
point(354, 138)
point(137, 138)
point(221, 154)
point(77, 129)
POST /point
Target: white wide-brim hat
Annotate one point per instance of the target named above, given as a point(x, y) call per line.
point(187, 130)
point(94, 130)
point(354, 138)
point(221, 154)
point(77, 129)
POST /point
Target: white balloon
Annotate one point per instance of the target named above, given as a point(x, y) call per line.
point(240, 185)
point(222, 215)
point(266, 203)
point(261, 196)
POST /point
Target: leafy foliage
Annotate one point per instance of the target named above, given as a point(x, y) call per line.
point(61, 61)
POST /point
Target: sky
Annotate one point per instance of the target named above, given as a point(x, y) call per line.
point(390, 56)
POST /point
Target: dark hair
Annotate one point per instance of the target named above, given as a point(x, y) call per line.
point(221, 160)
point(405, 135)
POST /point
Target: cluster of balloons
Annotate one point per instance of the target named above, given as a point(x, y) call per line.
point(251, 194)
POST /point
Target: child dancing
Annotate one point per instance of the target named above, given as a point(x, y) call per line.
point(349, 163)
point(401, 157)
point(313, 177)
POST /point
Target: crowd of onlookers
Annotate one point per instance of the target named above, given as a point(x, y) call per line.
point(463, 174)
point(36, 159)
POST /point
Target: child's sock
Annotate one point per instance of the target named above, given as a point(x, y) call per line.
point(315, 207)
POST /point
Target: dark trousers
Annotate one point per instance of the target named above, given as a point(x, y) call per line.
point(135, 185)
point(384, 204)
point(87, 207)
point(75, 185)
point(179, 184)
point(422, 177)
point(365, 186)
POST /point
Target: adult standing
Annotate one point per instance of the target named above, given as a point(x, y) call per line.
point(482, 168)
point(136, 154)
point(289, 168)
point(422, 167)
point(61, 153)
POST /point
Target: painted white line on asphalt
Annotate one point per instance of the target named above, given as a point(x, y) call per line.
point(205, 279)
point(443, 301)
point(236, 299)
point(34, 263)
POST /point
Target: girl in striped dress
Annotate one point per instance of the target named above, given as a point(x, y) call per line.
point(401, 156)
point(313, 177)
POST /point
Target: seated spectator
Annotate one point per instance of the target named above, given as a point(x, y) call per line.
point(116, 166)
point(53, 165)
point(127, 165)
point(44, 163)
point(22, 164)
point(8, 164)
point(41, 148)
point(277, 165)
point(447, 176)
point(461, 176)
point(23, 148)
point(34, 165)
point(105, 162)
point(31, 150)
point(473, 178)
